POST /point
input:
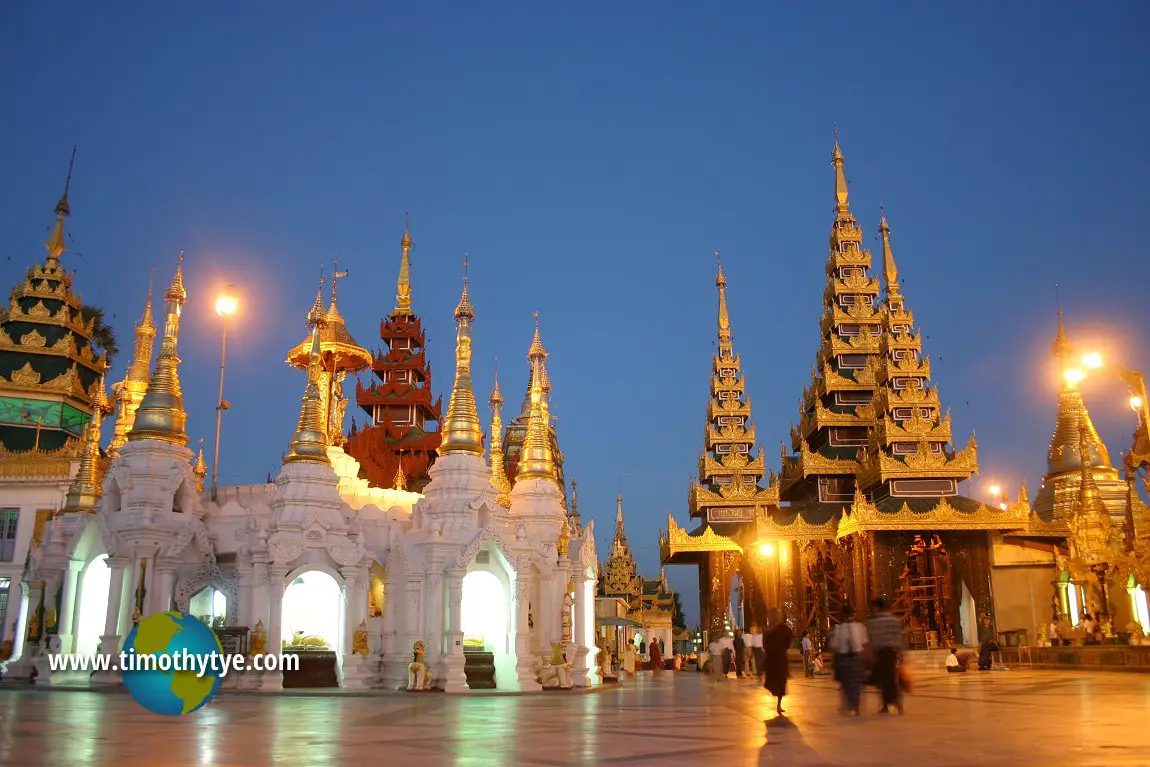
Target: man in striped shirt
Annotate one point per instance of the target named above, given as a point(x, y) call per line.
point(885, 633)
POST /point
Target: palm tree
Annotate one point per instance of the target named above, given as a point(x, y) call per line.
point(103, 337)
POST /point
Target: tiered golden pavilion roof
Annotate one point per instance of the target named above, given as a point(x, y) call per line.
point(870, 416)
point(49, 369)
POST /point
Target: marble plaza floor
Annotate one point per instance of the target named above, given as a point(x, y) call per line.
point(1041, 718)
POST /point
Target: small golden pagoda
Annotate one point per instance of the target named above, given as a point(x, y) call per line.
point(515, 434)
point(339, 356)
point(650, 602)
point(128, 393)
point(1064, 462)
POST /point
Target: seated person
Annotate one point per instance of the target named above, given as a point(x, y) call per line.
point(986, 654)
point(954, 664)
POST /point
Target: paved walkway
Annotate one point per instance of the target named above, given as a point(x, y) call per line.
point(1043, 718)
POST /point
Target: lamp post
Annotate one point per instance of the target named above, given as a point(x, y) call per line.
point(226, 304)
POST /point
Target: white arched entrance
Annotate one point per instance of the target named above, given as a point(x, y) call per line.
point(93, 602)
point(313, 607)
point(483, 615)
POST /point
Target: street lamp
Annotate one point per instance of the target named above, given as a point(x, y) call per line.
point(226, 304)
point(766, 549)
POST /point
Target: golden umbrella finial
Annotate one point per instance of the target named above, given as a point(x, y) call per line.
point(461, 431)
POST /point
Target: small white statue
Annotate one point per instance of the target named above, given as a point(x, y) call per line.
point(418, 674)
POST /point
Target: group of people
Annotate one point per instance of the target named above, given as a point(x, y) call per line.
point(750, 653)
point(632, 653)
point(878, 645)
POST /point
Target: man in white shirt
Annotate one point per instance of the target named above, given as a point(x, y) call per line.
point(848, 639)
point(755, 649)
point(728, 655)
point(953, 665)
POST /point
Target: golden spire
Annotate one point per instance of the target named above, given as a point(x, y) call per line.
point(316, 313)
point(1063, 348)
point(130, 392)
point(889, 270)
point(563, 542)
point(161, 413)
point(576, 521)
point(400, 480)
point(724, 317)
point(461, 431)
point(200, 468)
point(85, 489)
point(1090, 527)
point(309, 443)
point(841, 190)
point(55, 244)
point(536, 461)
point(618, 512)
point(403, 285)
point(498, 474)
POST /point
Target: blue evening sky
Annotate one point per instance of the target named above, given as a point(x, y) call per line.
point(591, 157)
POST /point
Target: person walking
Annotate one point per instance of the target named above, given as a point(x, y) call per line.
point(776, 642)
point(755, 644)
point(848, 640)
point(740, 653)
point(715, 662)
point(885, 633)
point(808, 661)
point(656, 656)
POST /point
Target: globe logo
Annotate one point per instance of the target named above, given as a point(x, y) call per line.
point(169, 663)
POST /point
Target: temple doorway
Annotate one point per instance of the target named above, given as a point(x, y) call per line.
point(485, 620)
point(312, 611)
point(925, 596)
point(483, 615)
point(93, 602)
point(210, 606)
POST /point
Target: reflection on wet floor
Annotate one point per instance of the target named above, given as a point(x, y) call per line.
point(1009, 718)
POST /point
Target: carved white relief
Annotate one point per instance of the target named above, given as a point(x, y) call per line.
point(284, 550)
point(346, 553)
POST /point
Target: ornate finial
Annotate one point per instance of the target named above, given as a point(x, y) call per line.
point(724, 316)
point(317, 311)
point(309, 443)
point(841, 191)
point(200, 468)
point(403, 284)
point(619, 511)
point(889, 270)
point(1062, 347)
point(336, 276)
point(537, 460)
point(55, 244)
point(576, 520)
point(461, 431)
point(130, 392)
point(161, 412)
point(536, 351)
point(499, 478)
point(400, 480)
point(464, 308)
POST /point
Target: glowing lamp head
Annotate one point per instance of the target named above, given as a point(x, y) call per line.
point(766, 549)
point(995, 490)
point(227, 302)
point(1093, 360)
point(1136, 402)
point(1073, 376)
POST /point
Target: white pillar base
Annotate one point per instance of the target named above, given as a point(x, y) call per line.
point(356, 671)
point(454, 677)
point(110, 646)
point(393, 676)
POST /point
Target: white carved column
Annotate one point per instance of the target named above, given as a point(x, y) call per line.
point(524, 672)
point(160, 599)
point(352, 669)
point(455, 678)
point(65, 627)
point(15, 616)
point(110, 640)
point(274, 680)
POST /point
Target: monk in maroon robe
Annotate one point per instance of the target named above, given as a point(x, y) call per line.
point(776, 642)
